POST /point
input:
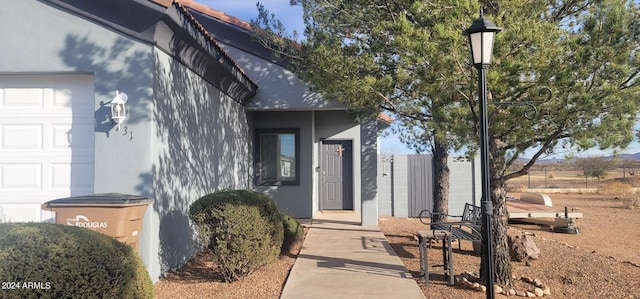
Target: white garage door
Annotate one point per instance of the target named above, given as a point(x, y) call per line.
point(46, 142)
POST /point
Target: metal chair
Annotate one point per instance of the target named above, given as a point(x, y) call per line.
point(425, 236)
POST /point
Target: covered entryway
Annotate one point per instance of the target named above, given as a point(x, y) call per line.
point(46, 142)
point(336, 175)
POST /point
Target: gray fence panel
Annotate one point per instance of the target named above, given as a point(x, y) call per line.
point(405, 184)
point(420, 184)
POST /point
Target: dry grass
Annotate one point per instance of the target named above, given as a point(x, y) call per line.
point(568, 179)
point(632, 203)
point(622, 191)
point(616, 188)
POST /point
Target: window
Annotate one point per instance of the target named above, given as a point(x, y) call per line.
point(277, 154)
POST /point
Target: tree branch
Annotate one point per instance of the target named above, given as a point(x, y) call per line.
point(418, 116)
point(545, 147)
point(633, 76)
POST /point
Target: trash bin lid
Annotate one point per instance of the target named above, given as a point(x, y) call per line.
point(101, 199)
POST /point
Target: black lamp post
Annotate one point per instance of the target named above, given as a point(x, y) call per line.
point(481, 36)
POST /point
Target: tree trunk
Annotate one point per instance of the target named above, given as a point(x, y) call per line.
point(440, 181)
point(501, 257)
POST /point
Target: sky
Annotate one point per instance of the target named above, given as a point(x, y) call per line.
point(291, 17)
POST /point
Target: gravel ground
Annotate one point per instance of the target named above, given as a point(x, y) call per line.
point(199, 279)
point(603, 261)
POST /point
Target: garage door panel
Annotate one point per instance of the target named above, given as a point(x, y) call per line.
point(21, 176)
point(21, 212)
point(62, 176)
point(79, 136)
point(60, 136)
point(60, 98)
point(36, 99)
point(13, 98)
point(55, 92)
point(21, 136)
point(46, 142)
point(26, 135)
point(36, 197)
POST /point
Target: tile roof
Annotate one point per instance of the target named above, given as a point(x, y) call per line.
point(220, 15)
point(385, 117)
point(224, 18)
point(178, 4)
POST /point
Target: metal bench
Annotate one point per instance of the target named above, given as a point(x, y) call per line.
point(468, 228)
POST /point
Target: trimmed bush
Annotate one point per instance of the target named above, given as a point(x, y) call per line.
point(293, 232)
point(243, 229)
point(41, 260)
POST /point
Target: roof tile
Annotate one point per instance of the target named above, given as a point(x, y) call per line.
point(220, 15)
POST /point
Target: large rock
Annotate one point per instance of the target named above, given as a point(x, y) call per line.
point(523, 247)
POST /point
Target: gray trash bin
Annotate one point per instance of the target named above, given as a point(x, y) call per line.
point(113, 214)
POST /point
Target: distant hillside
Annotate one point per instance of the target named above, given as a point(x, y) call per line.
point(625, 157)
point(633, 157)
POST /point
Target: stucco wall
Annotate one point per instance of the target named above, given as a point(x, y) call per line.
point(41, 38)
point(182, 139)
point(303, 200)
point(52, 41)
point(199, 145)
point(465, 183)
point(279, 88)
point(369, 133)
point(292, 200)
point(385, 185)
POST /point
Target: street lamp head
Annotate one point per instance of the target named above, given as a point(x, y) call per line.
point(481, 36)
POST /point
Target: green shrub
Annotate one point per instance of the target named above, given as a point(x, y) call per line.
point(41, 260)
point(243, 229)
point(293, 232)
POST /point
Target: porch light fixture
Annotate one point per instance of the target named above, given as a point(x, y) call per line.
point(481, 36)
point(118, 108)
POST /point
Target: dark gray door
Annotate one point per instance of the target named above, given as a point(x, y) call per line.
point(336, 179)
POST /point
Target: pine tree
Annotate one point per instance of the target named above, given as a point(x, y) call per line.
point(410, 58)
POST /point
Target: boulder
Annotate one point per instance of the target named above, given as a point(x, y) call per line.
point(538, 292)
point(523, 247)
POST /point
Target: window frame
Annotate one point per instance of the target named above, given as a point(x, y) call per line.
point(259, 181)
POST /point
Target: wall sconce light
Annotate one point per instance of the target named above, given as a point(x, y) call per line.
point(118, 109)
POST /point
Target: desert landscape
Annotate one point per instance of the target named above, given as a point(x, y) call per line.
point(602, 261)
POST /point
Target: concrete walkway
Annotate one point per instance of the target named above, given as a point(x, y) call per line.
point(341, 259)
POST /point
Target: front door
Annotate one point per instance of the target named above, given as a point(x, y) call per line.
point(336, 179)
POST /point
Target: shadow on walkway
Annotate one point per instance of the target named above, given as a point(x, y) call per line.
point(342, 259)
